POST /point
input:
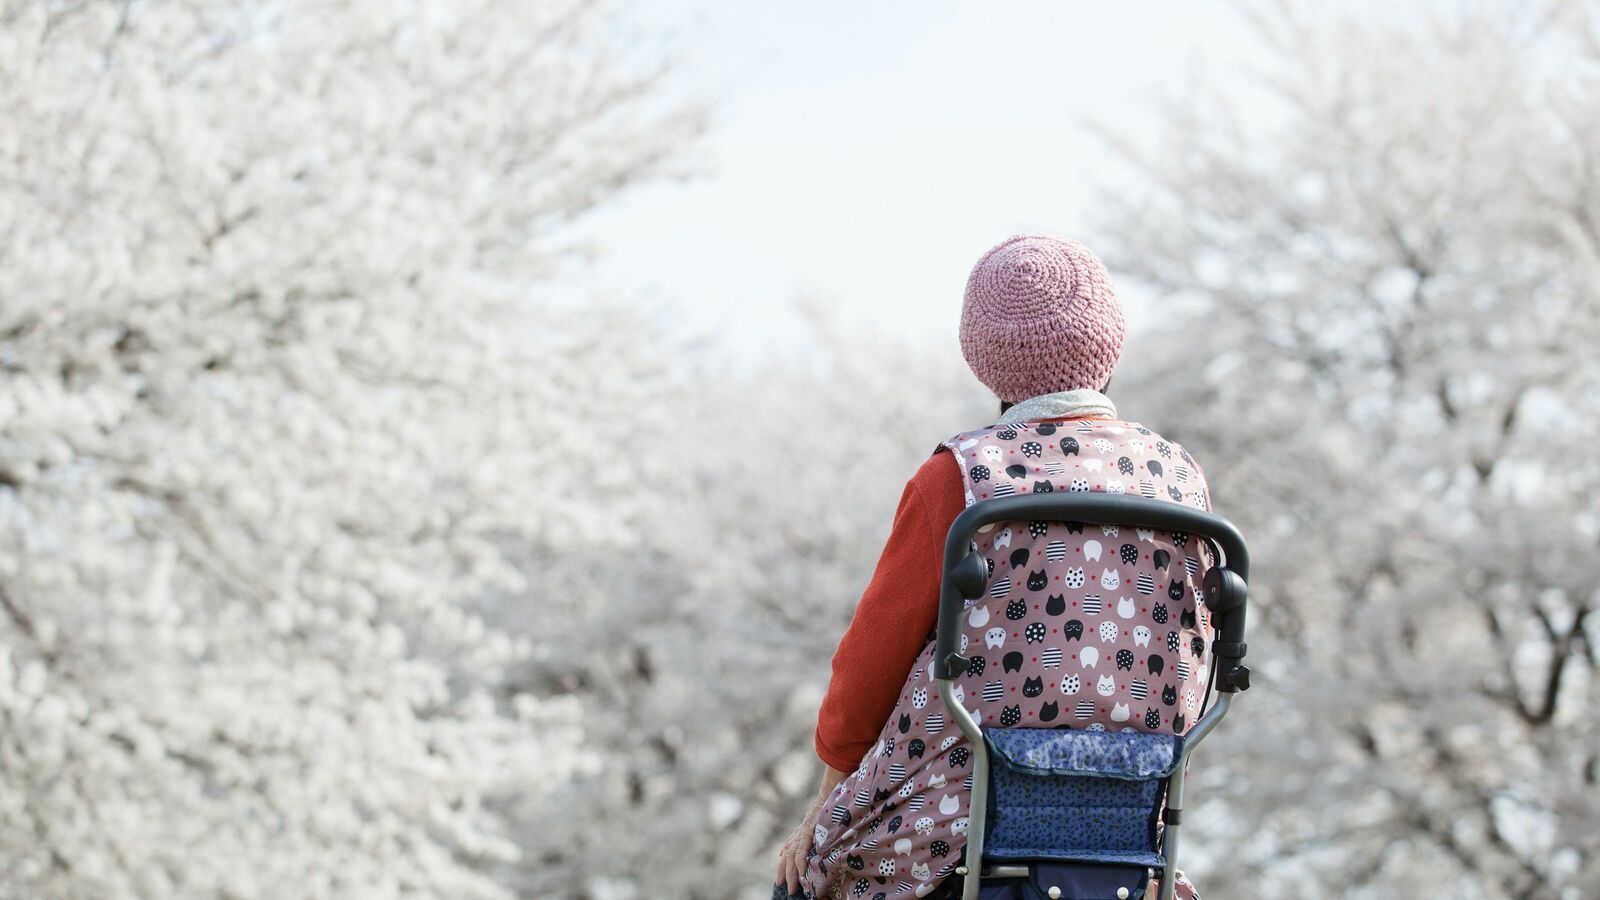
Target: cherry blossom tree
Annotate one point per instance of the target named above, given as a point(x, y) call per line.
point(1383, 309)
point(1377, 313)
point(276, 403)
point(334, 563)
point(709, 655)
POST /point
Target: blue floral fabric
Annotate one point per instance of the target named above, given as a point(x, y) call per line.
point(1127, 754)
point(1079, 795)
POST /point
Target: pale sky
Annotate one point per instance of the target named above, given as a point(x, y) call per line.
point(867, 154)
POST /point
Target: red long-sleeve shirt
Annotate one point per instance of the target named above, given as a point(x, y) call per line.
point(895, 617)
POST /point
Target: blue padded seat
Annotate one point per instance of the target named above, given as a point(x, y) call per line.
point(1073, 795)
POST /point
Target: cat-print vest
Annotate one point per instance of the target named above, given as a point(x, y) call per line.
point(1082, 626)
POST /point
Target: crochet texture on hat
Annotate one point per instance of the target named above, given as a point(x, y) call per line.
point(1040, 316)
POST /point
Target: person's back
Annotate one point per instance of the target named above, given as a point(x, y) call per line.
point(1096, 627)
point(1080, 626)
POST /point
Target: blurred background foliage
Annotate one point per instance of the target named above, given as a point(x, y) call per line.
point(344, 553)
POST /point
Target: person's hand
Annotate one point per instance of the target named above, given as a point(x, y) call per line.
point(792, 858)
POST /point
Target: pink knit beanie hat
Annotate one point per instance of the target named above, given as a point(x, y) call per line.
point(1040, 317)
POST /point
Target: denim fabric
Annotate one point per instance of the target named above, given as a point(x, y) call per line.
point(1077, 795)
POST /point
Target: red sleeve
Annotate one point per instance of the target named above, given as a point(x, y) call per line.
point(893, 620)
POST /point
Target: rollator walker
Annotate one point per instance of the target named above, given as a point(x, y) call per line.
point(1105, 795)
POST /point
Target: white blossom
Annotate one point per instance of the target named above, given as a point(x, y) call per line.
point(276, 405)
point(1389, 285)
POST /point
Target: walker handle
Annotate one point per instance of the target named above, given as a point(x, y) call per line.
point(965, 574)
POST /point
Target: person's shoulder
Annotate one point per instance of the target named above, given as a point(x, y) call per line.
point(938, 470)
point(965, 438)
point(939, 485)
point(1185, 468)
point(1163, 444)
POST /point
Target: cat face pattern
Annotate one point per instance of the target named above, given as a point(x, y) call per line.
point(1069, 633)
